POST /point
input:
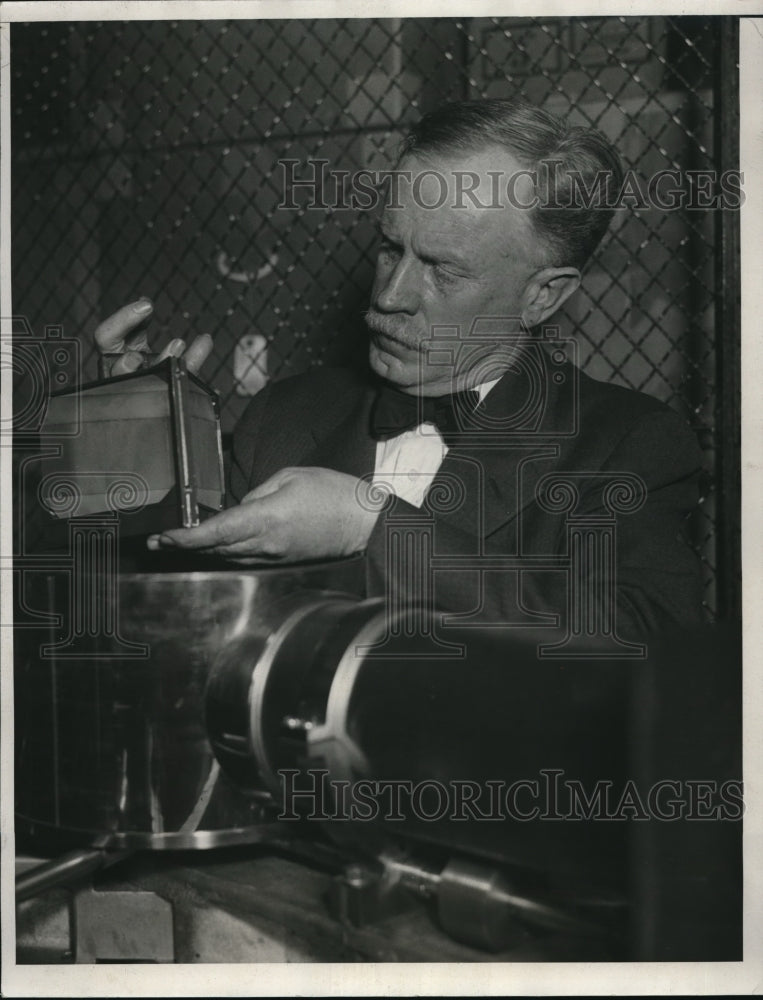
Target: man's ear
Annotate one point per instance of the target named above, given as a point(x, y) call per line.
point(546, 291)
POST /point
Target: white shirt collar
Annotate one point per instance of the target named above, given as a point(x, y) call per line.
point(484, 388)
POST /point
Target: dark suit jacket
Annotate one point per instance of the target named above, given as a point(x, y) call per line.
point(553, 420)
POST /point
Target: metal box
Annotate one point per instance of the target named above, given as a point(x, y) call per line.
point(146, 446)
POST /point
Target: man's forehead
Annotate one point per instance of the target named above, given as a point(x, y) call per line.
point(461, 192)
point(489, 167)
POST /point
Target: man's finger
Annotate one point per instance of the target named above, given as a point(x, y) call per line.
point(137, 341)
point(249, 548)
point(173, 350)
point(126, 363)
point(227, 528)
point(198, 351)
point(111, 334)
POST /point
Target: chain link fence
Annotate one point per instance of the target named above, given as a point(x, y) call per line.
point(148, 160)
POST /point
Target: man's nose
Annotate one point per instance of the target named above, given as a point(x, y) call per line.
point(399, 287)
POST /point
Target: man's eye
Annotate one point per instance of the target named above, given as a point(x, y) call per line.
point(442, 275)
point(389, 253)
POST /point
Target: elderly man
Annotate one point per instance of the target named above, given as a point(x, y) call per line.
point(497, 209)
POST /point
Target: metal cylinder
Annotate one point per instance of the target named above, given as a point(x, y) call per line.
point(471, 905)
point(64, 870)
point(111, 717)
point(465, 745)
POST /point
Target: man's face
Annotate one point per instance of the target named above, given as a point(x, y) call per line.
point(446, 267)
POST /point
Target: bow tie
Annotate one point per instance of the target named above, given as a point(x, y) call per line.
point(394, 412)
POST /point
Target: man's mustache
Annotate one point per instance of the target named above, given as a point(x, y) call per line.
point(389, 326)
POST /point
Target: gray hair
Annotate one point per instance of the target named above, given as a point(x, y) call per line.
point(579, 174)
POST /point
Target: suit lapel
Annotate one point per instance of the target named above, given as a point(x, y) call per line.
point(348, 447)
point(499, 466)
point(496, 484)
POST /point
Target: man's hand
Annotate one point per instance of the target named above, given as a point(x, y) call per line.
point(124, 334)
point(297, 514)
